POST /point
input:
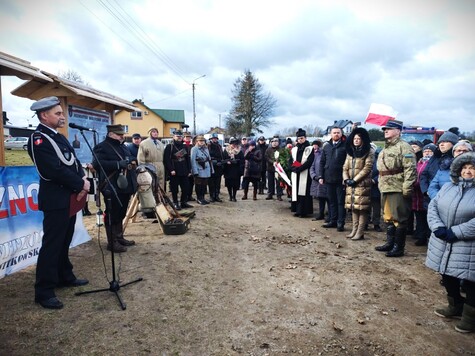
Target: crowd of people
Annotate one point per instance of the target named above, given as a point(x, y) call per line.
point(424, 189)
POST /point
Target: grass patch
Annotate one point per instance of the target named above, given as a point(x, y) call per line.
point(17, 158)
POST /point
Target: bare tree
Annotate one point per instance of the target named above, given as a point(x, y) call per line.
point(251, 107)
point(73, 76)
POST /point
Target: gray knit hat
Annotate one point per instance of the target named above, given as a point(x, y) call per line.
point(448, 136)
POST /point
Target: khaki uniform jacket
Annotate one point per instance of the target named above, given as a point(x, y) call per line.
point(153, 154)
point(397, 168)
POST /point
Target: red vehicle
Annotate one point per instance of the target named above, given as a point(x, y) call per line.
point(417, 133)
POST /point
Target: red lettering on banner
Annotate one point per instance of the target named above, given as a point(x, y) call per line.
point(32, 203)
point(17, 200)
point(3, 212)
point(13, 199)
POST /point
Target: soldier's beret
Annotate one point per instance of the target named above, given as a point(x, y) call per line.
point(45, 104)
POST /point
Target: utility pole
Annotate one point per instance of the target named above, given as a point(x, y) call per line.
point(194, 111)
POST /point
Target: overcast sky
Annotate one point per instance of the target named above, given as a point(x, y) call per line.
point(321, 60)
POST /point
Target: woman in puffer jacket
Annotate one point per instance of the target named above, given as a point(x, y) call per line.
point(451, 252)
point(357, 177)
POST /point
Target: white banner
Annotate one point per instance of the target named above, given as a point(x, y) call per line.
point(21, 223)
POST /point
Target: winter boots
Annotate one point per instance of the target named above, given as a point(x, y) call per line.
point(112, 241)
point(467, 324)
point(363, 217)
point(244, 197)
point(254, 194)
point(453, 310)
point(359, 218)
point(261, 187)
point(118, 232)
point(399, 243)
point(355, 218)
point(200, 194)
point(390, 237)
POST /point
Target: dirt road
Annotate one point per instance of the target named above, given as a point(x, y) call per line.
point(247, 278)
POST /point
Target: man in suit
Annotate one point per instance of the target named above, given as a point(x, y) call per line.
point(61, 176)
point(331, 174)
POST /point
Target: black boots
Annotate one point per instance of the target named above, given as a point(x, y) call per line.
point(112, 242)
point(254, 195)
point(399, 243)
point(244, 197)
point(390, 237)
point(200, 194)
point(261, 188)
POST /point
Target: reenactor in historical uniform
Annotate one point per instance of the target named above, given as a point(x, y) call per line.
point(177, 163)
point(397, 174)
point(61, 179)
point(119, 165)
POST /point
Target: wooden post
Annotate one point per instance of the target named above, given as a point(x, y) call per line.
point(2, 145)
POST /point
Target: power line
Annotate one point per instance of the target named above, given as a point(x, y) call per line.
point(165, 56)
point(130, 28)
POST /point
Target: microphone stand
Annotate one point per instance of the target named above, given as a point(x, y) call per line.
point(114, 285)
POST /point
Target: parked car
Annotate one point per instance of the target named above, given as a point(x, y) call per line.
point(19, 143)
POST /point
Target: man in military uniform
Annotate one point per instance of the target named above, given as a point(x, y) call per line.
point(119, 166)
point(217, 156)
point(397, 174)
point(61, 179)
point(177, 164)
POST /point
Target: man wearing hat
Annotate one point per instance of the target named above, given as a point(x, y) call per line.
point(151, 151)
point(61, 177)
point(442, 158)
point(301, 160)
point(217, 156)
point(135, 144)
point(177, 163)
point(397, 174)
point(262, 146)
point(119, 167)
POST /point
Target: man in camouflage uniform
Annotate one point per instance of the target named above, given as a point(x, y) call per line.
point(397, 174)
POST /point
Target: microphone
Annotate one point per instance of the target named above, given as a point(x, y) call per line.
point(82, 128)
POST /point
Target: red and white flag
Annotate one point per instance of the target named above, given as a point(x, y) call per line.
point(379, 114)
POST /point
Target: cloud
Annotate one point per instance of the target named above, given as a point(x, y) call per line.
point(321, 60)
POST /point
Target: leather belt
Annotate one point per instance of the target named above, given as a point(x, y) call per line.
point(391, 172)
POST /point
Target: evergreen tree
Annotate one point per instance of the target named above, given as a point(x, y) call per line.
point(251, 109)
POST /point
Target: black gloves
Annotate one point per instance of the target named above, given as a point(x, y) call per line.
point(445, 234)
point(350, 182)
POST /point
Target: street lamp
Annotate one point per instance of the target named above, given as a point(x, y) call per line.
point(194, 112)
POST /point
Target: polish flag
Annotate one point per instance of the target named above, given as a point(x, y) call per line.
point(379, 114)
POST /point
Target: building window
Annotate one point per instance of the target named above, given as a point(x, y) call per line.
point(136, 115)
point(126, 128)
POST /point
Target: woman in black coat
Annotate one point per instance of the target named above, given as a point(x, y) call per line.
point(233, 167)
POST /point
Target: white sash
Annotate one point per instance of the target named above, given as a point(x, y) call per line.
point(302, 186)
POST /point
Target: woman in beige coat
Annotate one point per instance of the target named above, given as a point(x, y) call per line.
point(357, 178)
